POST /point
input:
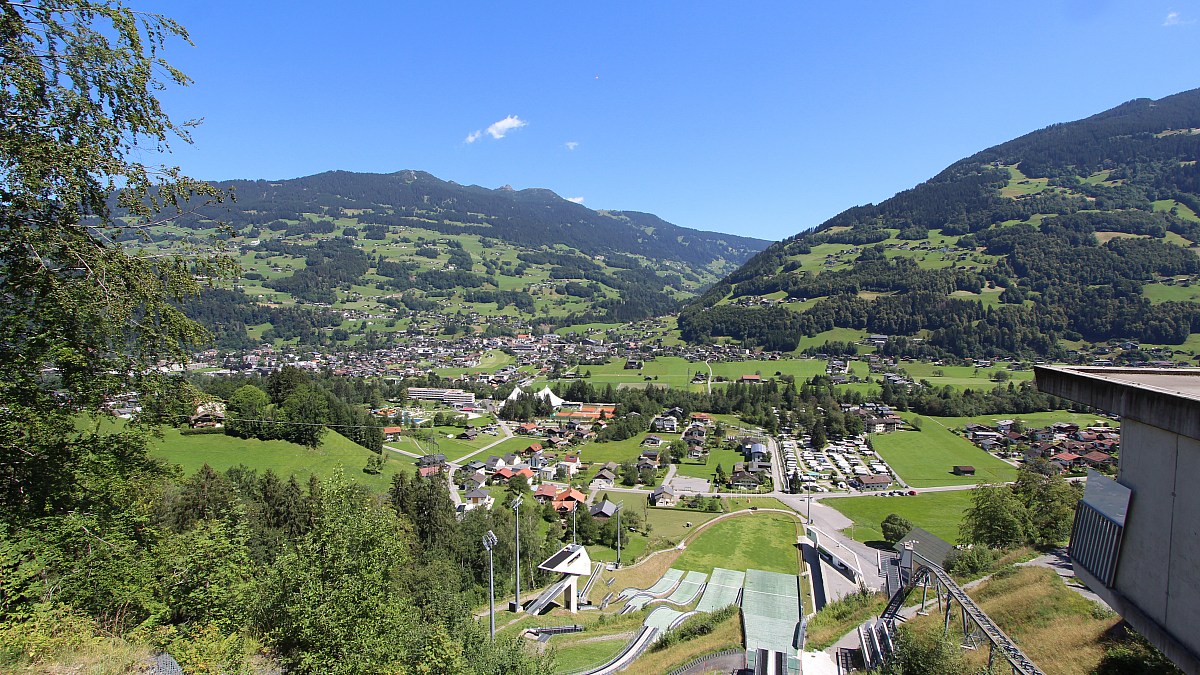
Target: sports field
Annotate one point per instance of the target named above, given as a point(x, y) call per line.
point(926, 458)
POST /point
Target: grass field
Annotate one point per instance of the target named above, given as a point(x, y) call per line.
point(221, 452)
point(1030, 420)
point(926, 458)
point(962, 377)
point(1157, 293)
point(765, 541)
point(937, 512)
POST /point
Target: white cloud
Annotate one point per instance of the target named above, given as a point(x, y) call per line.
point(499, 129)
point(571, 145)
point(577, 200)
point(473, 136)
point(1173, 19)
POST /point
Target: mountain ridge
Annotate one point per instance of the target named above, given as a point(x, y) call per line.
point(1120, 188)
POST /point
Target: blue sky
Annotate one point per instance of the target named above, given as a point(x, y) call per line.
point(761, 118)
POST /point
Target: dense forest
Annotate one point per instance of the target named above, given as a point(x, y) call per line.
point(1110, 174)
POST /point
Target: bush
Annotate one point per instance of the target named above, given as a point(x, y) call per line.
point(968, 562)
point(694, 627)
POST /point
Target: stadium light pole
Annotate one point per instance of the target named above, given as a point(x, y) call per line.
point(517, 522)
point(573, 512)
point(489, 542)
point(618, 510)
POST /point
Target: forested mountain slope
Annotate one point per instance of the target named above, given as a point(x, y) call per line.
point(332, 257)
point(1085, 231)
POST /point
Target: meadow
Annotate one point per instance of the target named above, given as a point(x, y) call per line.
point(937, 512)
point(221, 452)
point(926, 458)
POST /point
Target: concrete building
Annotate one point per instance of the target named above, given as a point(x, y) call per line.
point(1136, 540)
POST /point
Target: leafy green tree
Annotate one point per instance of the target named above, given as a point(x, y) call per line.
point(248, 413)
point(996, 517)
point(1050, 502)
point(207, 575)
point(306, 411)
point(79, 106)
point(334, 603)
point(894, 527)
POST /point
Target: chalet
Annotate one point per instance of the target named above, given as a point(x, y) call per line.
point(473, 466)
point(545, 492)
point(533, 448)
point(753, 451)
point(652, 455)
point(528, 428)
point(392, 433)
point(431, 460)
point(874, 482)
point(477, 498)
point(604, 510)
point(665, 423)
point(502, 476)
point(567, 500)
point(964, 470)
point(427, 471)
point(1067, 460)
point(474, 480)
point(1096, 458)
point(695, 452)
point(663, 495)
point(702, 418)
point(744, 480)
point(647, 463)
point(208, 415)
point(604, 479)
point(494, 464)
point(468, 435)
point(750, 379)
point(880, 425)
point(652, 441)
point(526, 472)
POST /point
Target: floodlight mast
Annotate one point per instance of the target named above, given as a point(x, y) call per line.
point(618, 510)
point(489, 542)
point(517, 521)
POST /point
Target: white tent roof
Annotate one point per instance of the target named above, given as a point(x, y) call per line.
point(554, 400)
point(515, 393)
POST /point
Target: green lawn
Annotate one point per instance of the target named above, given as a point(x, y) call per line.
point(764, 541)
point(926, 458)
point(221, 452)
point(1157, 293)
point(964, 376)
point(1031, 420)
point(938, 512)
point(705, 469)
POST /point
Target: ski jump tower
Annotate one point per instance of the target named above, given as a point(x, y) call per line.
point(572, 562)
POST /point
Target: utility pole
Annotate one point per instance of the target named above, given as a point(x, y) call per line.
point(517, 521)
point(573, 512)
point(489, 541)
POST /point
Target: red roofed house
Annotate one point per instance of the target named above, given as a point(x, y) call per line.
point(1066, 459)
point(526, 472)
point(567, 500)
point(1097, 458)
point(392, 433)
point(545, 492)
point(502, 475)
point(427, 471)
point(534, 447)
